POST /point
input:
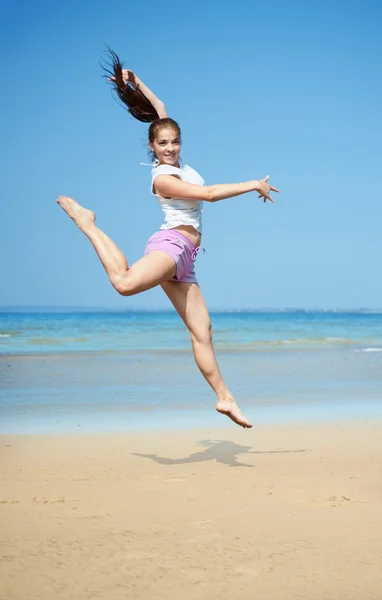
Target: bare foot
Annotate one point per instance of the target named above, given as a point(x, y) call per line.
point(82, 217)
point(231, 409)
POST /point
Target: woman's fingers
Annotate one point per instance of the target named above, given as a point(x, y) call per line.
point(265, 197)
point(267, 189)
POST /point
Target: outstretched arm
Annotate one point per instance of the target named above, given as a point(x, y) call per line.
point(169, 186)
point(133, 79)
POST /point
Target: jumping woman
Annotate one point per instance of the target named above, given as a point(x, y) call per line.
point(170, 253)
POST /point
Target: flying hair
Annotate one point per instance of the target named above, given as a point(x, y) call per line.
point(129, 94)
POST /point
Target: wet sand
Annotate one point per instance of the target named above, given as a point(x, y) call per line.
point(278, 513)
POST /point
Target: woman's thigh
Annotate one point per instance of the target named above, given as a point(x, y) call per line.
point(189, 303)
point(150, 270)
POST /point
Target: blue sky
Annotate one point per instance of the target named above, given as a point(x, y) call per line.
point(290, 89)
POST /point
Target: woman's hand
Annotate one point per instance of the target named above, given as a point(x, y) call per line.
point(128, 77)
point(263, 188)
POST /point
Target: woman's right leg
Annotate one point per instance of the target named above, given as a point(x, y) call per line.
point(146, 273)
point(189, 303)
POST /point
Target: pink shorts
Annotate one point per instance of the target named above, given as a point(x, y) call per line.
point(181, 250)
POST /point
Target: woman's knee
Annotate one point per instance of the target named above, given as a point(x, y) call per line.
point(202, 333)
point(124, 285)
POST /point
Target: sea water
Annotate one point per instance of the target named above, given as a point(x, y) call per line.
point(98, 371)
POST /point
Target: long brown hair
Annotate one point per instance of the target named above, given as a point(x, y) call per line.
point(135, 101)
point(129, 93)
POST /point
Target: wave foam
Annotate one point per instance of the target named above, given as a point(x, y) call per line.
point(369, 350)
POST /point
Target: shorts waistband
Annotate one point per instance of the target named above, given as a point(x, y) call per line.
point(195, 249)
point(174, 233)
point(177, 233)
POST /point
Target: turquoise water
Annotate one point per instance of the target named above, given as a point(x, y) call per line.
point(40, 333)
point(105, 371)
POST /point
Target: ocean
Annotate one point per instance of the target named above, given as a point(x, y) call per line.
point(104, 371)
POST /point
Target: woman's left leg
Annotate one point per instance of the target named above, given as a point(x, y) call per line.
point(148, 272)
point(189, 303)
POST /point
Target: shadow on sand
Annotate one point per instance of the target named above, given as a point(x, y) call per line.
point(223, 452)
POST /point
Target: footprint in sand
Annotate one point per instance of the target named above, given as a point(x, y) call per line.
point(335, 501)
point(42, 500)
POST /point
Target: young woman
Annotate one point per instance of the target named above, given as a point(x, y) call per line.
point(170, 253)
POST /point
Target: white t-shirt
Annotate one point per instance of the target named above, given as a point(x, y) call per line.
point(178, 211)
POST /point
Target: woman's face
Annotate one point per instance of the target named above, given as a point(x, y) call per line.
point(166, 146)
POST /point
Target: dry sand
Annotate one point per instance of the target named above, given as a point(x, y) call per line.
point(274, 513)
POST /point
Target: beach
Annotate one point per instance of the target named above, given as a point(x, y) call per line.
point(284, 511)
point(120, 481)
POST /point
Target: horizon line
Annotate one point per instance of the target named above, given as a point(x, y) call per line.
point(246, 309)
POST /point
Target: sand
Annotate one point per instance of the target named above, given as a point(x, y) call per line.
point(279, 513)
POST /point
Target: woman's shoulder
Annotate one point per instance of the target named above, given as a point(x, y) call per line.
point(165, 170)
point(184, 172)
